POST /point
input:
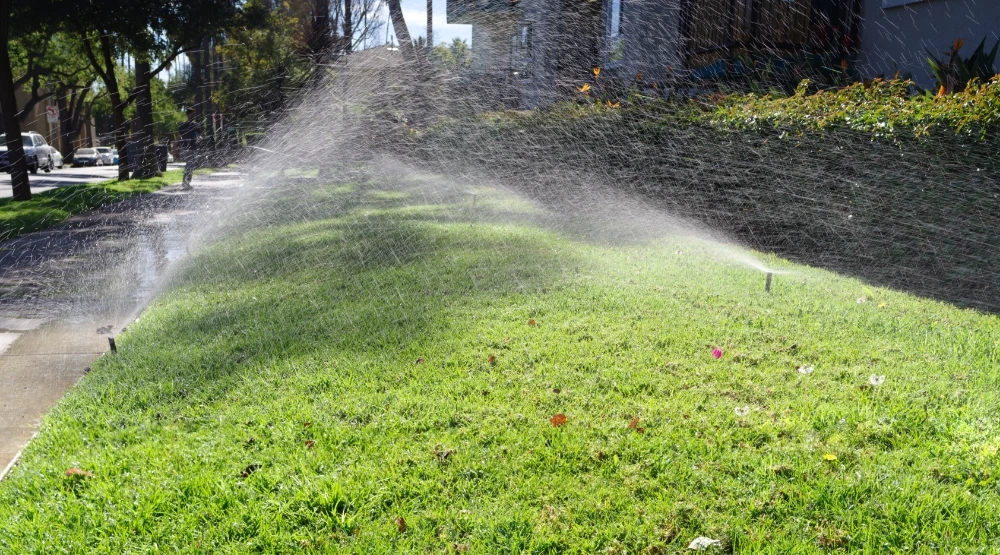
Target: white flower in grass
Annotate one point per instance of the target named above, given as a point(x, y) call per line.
point(876, 380)
point(702, 543)
point(806, 370)
point(742, 411)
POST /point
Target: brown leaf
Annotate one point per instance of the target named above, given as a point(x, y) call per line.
point(441, 453)
point(420, 360)
point(558, 420)
point(307, 425)
point(310, 444)
point(633, 423)
point(79, 472)
point(532, 322)
point(556, 390)
point(492, 360)
point(460, 547)
point(401, 524)
point(250, 469)
point(641, 430)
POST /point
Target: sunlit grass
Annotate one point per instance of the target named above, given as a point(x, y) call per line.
point(325, 384)
point(56, 205)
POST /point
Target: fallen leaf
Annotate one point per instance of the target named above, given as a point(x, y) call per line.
point(531, 322)
point(420, 360)
point(310, 444)
point(782, 470)
point(441, 453)
point(79, 472)
point(492, 360)
point(307, 425)
point(460, 547)
point(250, 469)
point(558, 420)
point(556, 390)
point(401, 524)
point(633, 423)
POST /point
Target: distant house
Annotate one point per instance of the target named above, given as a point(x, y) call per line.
point(542, 48)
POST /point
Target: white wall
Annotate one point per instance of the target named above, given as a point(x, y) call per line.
point(899, 37)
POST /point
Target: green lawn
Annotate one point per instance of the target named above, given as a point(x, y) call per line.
point(56, 205)
point(378, 369)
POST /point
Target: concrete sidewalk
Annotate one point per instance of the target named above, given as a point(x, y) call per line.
point(65, 290)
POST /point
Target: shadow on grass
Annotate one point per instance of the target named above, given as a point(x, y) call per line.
point(922, 217)
point(367, 272)
point(51, 207)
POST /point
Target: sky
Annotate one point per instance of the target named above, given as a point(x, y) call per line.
point(415, 14)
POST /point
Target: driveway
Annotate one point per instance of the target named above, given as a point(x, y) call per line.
point(66, 177)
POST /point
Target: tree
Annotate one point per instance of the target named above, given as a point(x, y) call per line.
point(401, 31)
point(8, 105)
point(456, 55)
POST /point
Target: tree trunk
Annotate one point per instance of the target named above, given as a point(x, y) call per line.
point(117, 109)
point(348, 27)
point(147, 166)
point(399, 28)
point(8, 105)
point(207, 85)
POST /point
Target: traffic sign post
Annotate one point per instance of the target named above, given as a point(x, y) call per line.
point(52, 112)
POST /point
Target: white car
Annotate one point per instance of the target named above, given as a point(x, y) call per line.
point(107, 156)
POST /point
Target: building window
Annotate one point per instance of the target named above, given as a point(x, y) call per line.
point(521, 54)
point(616, 47)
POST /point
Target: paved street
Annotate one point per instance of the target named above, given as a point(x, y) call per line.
point(66, 177)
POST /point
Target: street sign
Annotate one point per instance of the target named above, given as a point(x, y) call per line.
point(52, 112)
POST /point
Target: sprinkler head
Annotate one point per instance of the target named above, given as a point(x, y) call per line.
point(111, 343)
point(767, 284)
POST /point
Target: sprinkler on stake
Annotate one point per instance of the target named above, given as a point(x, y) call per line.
point(111, 342)
point(767, 284)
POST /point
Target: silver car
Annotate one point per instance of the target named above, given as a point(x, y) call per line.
point(37, 153)
point(107, 156)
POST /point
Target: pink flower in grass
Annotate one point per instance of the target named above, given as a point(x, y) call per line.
point(717, 353)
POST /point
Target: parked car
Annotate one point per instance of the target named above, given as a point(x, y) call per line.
point(87, 157)
point(57, 159)
point(37, 153)
point(107, 155)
